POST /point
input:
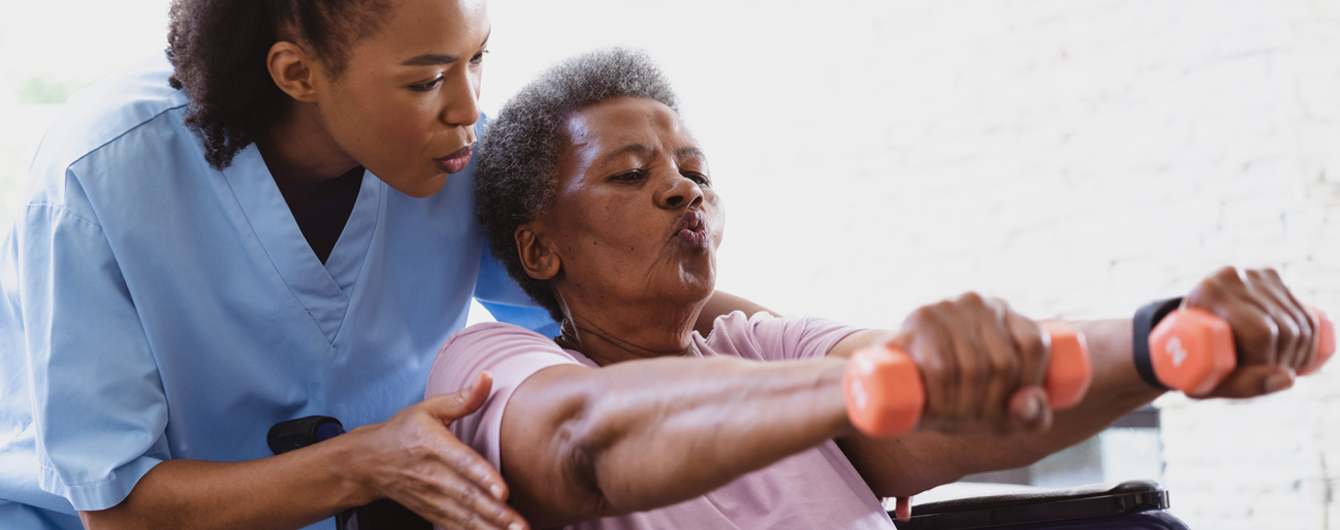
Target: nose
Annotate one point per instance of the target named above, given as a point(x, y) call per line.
point(460, 105)
point(682, 192)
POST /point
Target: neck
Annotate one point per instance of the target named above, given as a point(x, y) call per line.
point(299, 151)
point(629, 331)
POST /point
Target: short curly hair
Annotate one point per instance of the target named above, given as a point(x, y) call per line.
point(516, 169)
point(218, 50)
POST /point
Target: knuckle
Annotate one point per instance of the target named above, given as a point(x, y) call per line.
point(972, 299)
point(466, 496)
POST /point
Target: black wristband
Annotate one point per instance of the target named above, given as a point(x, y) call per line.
point(1143, 324)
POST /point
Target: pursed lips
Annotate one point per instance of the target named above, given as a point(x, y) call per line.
point(691, 228)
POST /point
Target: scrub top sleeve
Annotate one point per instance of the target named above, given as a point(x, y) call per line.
point(98, 403)
point(506, 301)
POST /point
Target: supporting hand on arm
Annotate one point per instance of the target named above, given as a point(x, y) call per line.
point(411, 458)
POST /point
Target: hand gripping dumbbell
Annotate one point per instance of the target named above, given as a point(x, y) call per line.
point(885, 394)
point(1193, 351)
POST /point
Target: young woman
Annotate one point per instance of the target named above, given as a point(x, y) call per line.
point(277, 223)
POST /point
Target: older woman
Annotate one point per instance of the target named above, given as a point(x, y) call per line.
point(600, 203)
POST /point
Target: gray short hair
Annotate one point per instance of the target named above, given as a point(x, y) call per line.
point(516, 169)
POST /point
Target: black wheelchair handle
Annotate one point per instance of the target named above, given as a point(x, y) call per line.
point(288, 435)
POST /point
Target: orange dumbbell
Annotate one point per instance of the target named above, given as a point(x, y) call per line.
point(1192, 350)
point(885, 394)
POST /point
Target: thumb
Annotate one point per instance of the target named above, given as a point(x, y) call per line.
point(452, 406)
point(1252, 381)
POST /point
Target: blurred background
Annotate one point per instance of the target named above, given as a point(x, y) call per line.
point(1075, 157)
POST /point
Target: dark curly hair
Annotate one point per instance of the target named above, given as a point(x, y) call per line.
point(218, 50)
point(516, 169)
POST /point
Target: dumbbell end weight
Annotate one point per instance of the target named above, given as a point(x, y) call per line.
point(1069, 372)
point(1192, 351)
point(1326, 344)
point(884, 392)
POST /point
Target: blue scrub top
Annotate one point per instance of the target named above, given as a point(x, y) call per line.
point(158, 308)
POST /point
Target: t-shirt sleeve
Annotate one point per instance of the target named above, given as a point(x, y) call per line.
point(511, 354)
point(98, 403)
point(764, 337)
point(506, 301)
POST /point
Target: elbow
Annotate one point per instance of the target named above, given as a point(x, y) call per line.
point(584, 437)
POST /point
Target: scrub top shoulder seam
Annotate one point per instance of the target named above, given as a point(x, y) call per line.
point(61, 209)
point(122, 134)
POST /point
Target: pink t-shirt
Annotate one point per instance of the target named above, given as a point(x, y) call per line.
point(817, 488)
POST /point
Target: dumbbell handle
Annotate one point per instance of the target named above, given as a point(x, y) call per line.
point(886, 396)
point(1193, 350)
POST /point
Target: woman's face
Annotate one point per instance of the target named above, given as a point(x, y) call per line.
point(635, 216)
point(406, 104)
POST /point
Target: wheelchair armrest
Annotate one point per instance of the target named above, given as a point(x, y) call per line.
point(1091, 502)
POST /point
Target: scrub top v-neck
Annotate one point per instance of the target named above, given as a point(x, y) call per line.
point(158, 308)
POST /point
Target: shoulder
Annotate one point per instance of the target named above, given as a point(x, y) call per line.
point(488, 346)
point(98, 122)
point(769, 338)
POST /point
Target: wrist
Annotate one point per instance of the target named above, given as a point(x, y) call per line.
point(1143, 323)
point(354, 476)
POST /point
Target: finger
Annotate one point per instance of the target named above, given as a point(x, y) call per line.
point(1290, 331)
point(484, 507)
point(1030, 410)
point(452, 406)
point(1005, 367)
point(449, 512)
point(443, 493)
point(464, 462)
point(971, 355)
point(1255, 332)
point(928, 346)
point(1252, 381)
point(902, 509)
point(1308, 335)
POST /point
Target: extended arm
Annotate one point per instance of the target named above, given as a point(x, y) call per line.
point(1274, 334)
point(917, 461)
point(580, 443)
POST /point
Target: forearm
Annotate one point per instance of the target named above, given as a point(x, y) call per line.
point(921, 460)
point(644, 434)
point(287, 491)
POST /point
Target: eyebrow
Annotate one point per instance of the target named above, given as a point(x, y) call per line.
point(644, 149)
point(637, 149)
point(430, 59)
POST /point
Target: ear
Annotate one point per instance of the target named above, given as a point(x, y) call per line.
point(293, 70)
point(538, 256)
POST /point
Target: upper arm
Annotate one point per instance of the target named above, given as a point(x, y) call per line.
point(527, 427)
point(860, 339)
point(98, 404)
point(547, 453)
